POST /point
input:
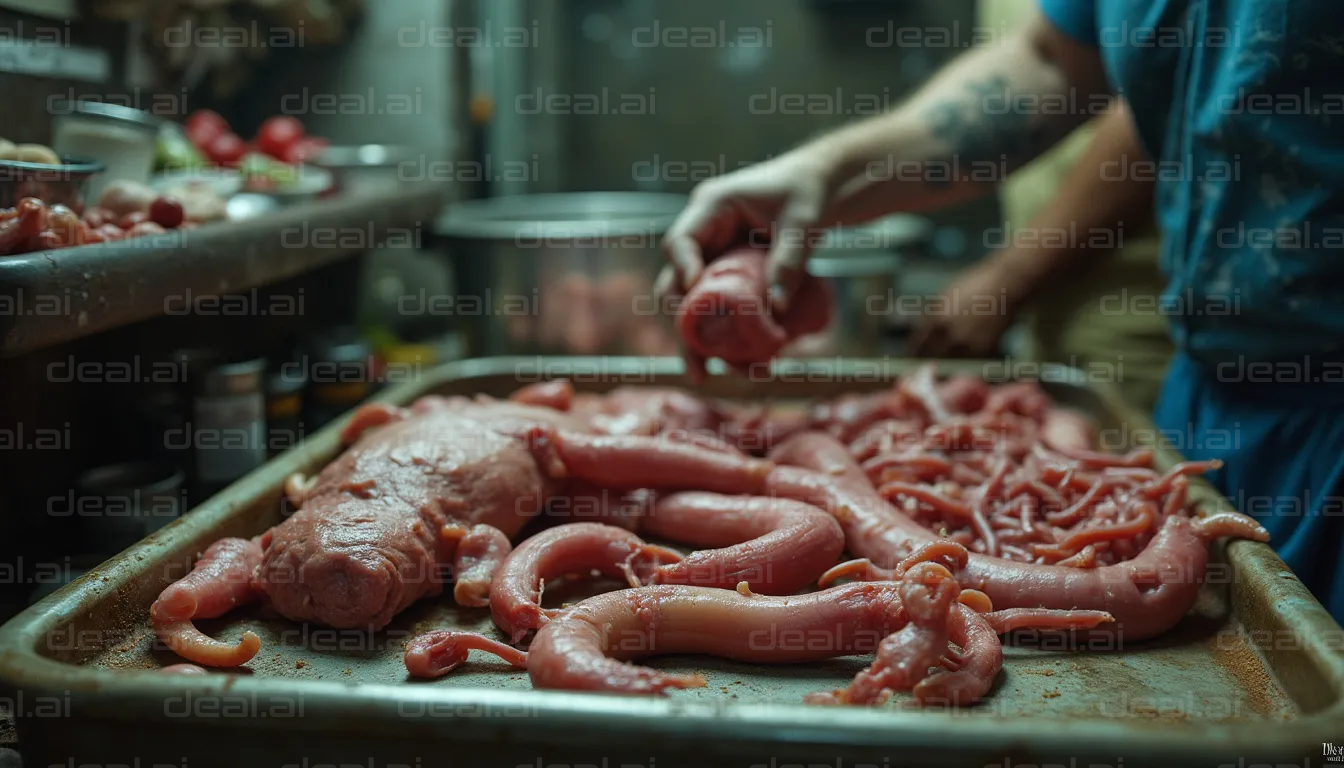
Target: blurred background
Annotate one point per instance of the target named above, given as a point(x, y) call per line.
point(374, 188)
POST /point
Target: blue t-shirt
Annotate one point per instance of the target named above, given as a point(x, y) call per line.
point(1241, 105)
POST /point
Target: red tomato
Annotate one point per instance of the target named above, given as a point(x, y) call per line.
point(204, 126)
point(307, 149)
point(227, 149)
point(166, 212)
point(278, 135)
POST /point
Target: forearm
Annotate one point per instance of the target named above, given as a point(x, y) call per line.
point(986, 114)
point(1096, 206)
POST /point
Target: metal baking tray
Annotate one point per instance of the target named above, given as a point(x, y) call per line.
point(1254, 674)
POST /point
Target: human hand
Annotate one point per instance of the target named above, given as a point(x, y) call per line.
point(782, 201)
point(973, 312)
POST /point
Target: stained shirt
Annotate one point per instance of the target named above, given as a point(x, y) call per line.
point(1241, 105)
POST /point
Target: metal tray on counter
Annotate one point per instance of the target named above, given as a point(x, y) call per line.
point(1255, 673)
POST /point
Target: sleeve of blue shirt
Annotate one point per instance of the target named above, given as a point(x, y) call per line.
point(1075, 18)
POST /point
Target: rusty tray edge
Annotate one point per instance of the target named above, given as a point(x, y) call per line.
point(122, 695)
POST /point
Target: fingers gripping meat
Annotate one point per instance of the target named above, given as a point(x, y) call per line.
point(577, 548)
point(777, 546)
point(221, 580)
point(727, 313)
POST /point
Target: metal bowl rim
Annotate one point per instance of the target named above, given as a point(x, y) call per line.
point(648, 213)
point(856, 265)
point(346, 157)
point(76, 166)
point(102, 110)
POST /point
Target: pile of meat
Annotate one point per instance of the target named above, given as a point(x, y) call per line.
point(976, 511)
point(125, 210)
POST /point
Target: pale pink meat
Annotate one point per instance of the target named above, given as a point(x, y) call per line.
point(655, 410)
point(435, 654)
point(220, 581)
point(380, 525)
point(585, 648)
point(1147, 594)
point(478, 553)
point(634, 461)
point(368, 541)
point(974, 668)
point(776, 546)
point(576, 548)
point(727, 313)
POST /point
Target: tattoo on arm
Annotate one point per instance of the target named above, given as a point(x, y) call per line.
point(988, 123)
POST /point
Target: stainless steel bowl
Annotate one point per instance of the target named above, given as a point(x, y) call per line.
point(119, 137)
point(562, 273)
point(53, 184)
point(367, 169)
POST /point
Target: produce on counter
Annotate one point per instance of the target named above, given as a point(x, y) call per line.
point(122, 198)
point(28, 153)
point(175, 152)
point(125, 210)
point(269, 163)
point(980, 510)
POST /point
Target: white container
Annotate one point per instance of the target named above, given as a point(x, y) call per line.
point(121, 138)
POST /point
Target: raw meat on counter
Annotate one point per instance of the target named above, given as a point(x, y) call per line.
point(978, 511)
point(378, 529)
point(125, 210)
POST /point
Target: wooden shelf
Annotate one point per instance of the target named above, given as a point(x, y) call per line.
point(55, 296)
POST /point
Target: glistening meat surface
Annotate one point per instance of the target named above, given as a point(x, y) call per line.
point(423, 494)
point(1147, 595)
point(727, 313)
point(774, 546)
point(368, 541)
